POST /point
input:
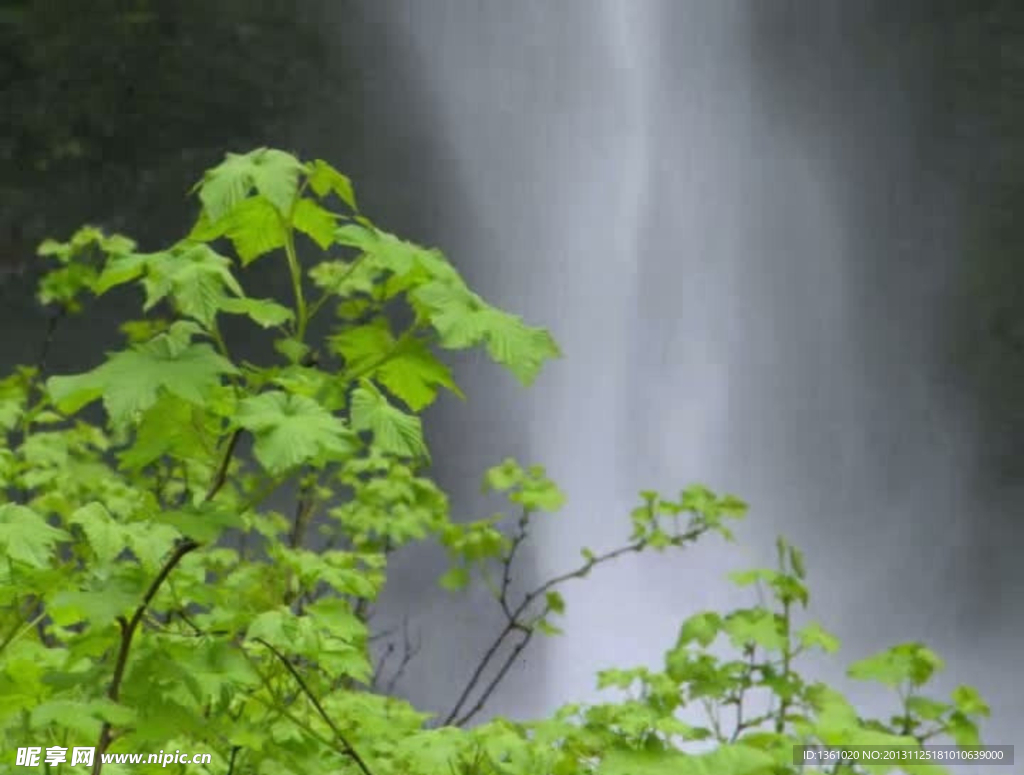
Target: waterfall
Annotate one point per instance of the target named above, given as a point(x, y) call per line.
point(719, 217)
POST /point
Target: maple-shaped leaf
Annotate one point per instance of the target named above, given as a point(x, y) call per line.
point(522, 349)
point(315, 222)
point(462, 319)
point(385, 251)
point(106, 537)
point(291, 430)
point(324, 179)
point(393, 430)
point(361, 346)
point(272, 173)
point(131, 381)
point(414, 374)
point(26, 537)
point(254, 227)
point(195, 276)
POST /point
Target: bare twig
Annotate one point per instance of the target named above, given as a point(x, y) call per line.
point(409, 652)
point(514, 616)
point(485, 695)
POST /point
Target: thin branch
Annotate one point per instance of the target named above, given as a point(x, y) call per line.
point(128, 628)
point(485, 695)
point(506, 576)
point(51, 330)
point(231, 762)
point(513, 616)
point(350, 751)
point(409, 652)
point(510, 627)
point(222, 470)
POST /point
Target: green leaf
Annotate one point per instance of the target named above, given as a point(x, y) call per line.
point(345, 278)
point(27, 537)
point(315, 222)
point(969, 702)
point(130, 382)
point(101, 607)
point(362, 346)
point(385, 251)
point(503, 477)
point(393, 430)
point(925, 708)
point(544, 627)
point(85, 718)
point(814, 635)
point(254, 227)
point(463, 320)
point(407, 368)
point(205, 523)
point(197, 278)
point(106, 537)
point(727, 760)
point(264, 312)
point(274, 174)
point(702, 628)
point(555, 602)
point(324, 179)
point(906, 662)
point(291, 430)
point(746, 578)
point(755, 625)
point(172, 426)
point(414, 374)
point(455, 578)
point(963, 730)
point(119, 270)
point(522, 349)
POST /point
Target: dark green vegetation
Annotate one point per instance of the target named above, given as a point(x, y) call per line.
point(151, 599)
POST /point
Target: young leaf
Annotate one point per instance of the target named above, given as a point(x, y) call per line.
point(455, 578)
point(264, 312)
point(393, 430)
point(323, 179)
point(195, 276)
point(273, 173)
point(814, 635)
point(291, 430)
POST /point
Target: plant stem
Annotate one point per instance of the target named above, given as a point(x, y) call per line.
point(295, 270)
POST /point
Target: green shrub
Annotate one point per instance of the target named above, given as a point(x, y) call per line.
point(152, 599)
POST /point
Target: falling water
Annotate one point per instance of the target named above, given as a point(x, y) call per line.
point(725, 228)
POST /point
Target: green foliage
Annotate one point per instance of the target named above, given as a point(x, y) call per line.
point(152, 599)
